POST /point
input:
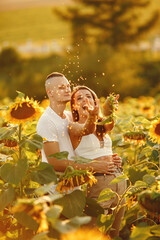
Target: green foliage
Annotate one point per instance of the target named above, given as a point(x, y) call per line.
point(92, 208)
point(60, 155)
point(43, 174)
point(26, 220)
point(110, 22)
point(6, 197)
point(6, 132)
point(73, 204)
point(106, 194)
point(145, 232)
point(150, 200)
point(14, 174)
point(136, 174)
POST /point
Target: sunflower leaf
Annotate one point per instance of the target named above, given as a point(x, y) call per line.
point(6, 132)
point(44, 174)
point(73, 204)
point(6, 197)
point(105, 195)
point(20, 94)
point(14, 173)
point(26, 220)
point(79, 159)
point(60, 155)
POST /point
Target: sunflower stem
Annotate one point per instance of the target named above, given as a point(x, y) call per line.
point(20, 155)
point(19, 137)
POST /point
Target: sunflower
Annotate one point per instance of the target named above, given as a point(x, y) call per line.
point(136, 138)
point(154, 131)
point(84, 233)
point(147, 110)
point(45, 103)
point(74, 179)
point(143, 99)
point(36, 212)
point(23, 110)
point(10, 143)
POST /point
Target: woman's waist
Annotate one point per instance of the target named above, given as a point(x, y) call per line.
point(94, 154)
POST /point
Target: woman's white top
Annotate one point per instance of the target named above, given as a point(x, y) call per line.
point(90, 147)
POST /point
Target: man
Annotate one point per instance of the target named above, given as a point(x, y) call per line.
point(53, 127)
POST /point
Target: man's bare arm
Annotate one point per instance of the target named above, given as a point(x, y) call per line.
point(60, 165)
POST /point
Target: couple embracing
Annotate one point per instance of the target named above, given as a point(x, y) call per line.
point(77, 133)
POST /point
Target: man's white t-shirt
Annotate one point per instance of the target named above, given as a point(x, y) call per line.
point(51, 127)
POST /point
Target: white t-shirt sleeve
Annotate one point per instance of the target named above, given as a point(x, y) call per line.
point(47, 130)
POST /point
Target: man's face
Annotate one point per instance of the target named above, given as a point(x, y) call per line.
point(60, 89)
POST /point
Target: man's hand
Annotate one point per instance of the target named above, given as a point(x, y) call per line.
point(117, 160)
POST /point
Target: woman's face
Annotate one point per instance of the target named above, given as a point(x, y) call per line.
point(83, 98)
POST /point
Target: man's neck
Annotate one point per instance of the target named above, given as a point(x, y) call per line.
point(58, 108)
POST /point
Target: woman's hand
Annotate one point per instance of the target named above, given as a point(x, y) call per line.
point(109, 106)
point(93, 110)
point(117, 160)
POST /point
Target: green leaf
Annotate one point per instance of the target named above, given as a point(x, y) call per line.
point(64, 226)
point(71, 224)
point(149, 142)
point(20, 94)
point(105, 221)
point(6, 132)
point(60, 155)
point(140, 233)
point(144, 151)
point(54, 213)
point(149, 179)
point(154, 156)
point(136, 174)
point(79, 159)
point(26, 220)
point(155, 230)
point(6, 197)
point(119, 179)
point(14, 173)
point(143, 120)
point(45, 189)
point(80, 220)
point(33, 143)
point(107, 120)
point(44, 174)
point(106, 194)
point(140, 184)
point(92, 208)
point(73, 204)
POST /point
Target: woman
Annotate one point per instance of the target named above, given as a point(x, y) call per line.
point(91, 141)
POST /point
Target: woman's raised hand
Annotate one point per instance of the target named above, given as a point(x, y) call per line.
point(93, 110)
point(111, 104)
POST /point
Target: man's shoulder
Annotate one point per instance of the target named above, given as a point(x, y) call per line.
point(68, 115)
point(45, 118)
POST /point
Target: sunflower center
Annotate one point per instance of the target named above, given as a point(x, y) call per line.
point(157, 129)
point(24, 111)
point(146, 108)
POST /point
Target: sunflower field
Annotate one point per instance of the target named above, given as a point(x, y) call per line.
point(28, 209)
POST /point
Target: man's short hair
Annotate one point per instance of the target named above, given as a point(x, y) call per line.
point(50, 76)
point(54, 74)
